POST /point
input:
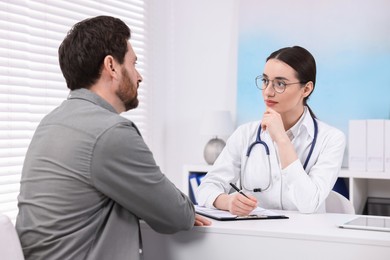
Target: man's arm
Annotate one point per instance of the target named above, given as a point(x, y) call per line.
point(123, 168)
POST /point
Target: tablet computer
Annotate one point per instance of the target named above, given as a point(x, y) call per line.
point(375, 223)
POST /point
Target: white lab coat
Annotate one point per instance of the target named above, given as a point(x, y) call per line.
point(292, 188)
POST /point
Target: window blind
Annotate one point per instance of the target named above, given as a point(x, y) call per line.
point(31, 82)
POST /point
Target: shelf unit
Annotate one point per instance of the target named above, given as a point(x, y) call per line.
point(360, 184)
point(195, 168)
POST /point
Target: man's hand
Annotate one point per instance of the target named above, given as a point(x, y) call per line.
point(201, 221)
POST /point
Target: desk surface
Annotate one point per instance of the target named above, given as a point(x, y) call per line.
point(300, 235)
point(307, 226)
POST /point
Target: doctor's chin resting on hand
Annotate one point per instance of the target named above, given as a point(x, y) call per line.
point(289, 160)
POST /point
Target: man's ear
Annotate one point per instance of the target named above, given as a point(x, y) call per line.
point(109, 64)
point(308, 88)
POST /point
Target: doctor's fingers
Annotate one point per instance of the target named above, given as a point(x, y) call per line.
point(274, 126)
point(236, 210)
point(270, 111)
point(253, 199)
point(271, 120)
point(248, 199)
point(242, 204)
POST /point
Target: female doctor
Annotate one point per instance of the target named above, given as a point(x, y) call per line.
point(290, 160)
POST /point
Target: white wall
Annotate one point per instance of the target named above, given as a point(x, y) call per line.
point(193, 70)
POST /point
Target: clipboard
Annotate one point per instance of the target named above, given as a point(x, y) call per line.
point(222, 215)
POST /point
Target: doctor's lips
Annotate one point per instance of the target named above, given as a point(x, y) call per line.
point(270, 103)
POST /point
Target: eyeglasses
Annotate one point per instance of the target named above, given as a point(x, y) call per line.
point(277, 84)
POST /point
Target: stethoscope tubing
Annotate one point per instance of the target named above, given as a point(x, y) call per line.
point(259, 141)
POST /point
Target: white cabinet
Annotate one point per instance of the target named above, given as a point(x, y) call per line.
point(360, 184)
point(366, 184)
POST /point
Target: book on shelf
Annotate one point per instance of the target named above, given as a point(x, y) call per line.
point(375, 144)
point(387, 146)
point(194, 179)
point(357, 144)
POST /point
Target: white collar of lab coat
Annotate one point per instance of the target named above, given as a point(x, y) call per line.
point(305, 122)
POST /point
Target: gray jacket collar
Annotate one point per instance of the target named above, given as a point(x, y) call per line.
point(90, 96)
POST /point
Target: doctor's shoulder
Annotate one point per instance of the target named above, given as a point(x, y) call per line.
point(328, 132)
point(245, 132)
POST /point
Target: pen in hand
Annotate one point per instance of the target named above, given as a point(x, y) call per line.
point(238, 190)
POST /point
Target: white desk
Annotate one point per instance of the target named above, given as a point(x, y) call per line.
point(314, 236)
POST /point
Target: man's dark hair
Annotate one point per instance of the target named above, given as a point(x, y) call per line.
point(83, 50)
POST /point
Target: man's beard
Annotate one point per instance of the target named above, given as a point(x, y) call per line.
point(127, 92)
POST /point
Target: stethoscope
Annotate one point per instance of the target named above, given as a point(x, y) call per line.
point(259, 141)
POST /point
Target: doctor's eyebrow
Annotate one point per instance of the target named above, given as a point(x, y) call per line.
point(281, 78)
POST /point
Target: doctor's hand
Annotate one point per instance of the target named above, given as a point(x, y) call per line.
point(201, 221)
point(240, 205)
point(273, 123)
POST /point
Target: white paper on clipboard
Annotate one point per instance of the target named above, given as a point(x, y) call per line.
point(258, 213)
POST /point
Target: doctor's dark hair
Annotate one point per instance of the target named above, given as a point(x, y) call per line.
point(82, 52)
point(302, 62)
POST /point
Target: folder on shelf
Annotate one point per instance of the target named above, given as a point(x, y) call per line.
point(200, 178)
point(387, 146)
point(375, 144)
point(357, 144)
point(258, 213)
point(194, 180)
point(193, 185)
